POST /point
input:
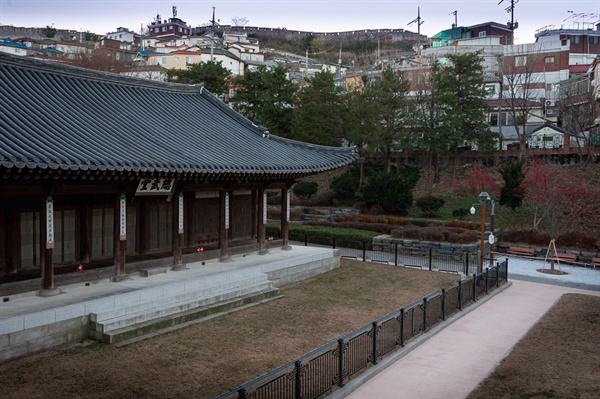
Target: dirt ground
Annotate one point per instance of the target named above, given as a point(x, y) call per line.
point(216, 356)
point(559, 357)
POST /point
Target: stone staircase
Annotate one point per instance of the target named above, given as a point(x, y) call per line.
point(152, 302)
point(168, 306)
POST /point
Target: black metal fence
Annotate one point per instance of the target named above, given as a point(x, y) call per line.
point(323, 370)
point(442, 259)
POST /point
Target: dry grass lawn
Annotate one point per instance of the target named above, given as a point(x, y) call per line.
point(216, 356)
point(559, 357)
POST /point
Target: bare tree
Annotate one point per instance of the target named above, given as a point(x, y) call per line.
point(99, 59)
point(521, 93)
point(239, 21)
point(576, 110)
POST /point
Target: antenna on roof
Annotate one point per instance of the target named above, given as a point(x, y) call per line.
point(174, 12)
point(512, 25)
point(455, 13)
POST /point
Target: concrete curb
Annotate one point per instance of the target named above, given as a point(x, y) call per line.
point(371, 372)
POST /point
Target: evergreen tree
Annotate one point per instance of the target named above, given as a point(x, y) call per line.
point(318, 114)
point(462, 106)
point(212, 73)
point(511, 194)
point(381, 116)
point(266, 97)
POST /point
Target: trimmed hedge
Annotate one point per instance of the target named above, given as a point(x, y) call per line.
point(322, 235)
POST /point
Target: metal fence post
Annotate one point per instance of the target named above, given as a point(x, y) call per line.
point(374, 342)
point(364, 249)
point(487, 272)
point(395, 254)
point(429, 259)
point(424, 314)
point(459, 294)
point(443, 304)
point(402, 327)
point(474, 286)
point(333, 238)
point(242, 393)
point(341, 361)
point(497, 275)
point(305, 239)
point(467, 265)
point(298, 365)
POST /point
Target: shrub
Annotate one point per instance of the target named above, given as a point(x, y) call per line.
point(463, 224)
point(345, 186)
point(433, 233)
point(430, 205)
point(576, 239)
point(460, 213)
point(323, 235)
point(390, 191)
point(305, 189)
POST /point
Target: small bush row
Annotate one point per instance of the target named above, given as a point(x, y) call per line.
point(535, 237)
point(322, 235)
point(439, 234)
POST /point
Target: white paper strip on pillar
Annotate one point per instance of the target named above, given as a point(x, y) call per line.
point(180, 230)
point(265, 207)
point(287, 216)
point(123, 218)
point(49, 223)
point(226, 210)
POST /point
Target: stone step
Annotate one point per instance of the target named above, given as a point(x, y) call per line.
point(156, 297)
point(131, 319)
point(168, 323)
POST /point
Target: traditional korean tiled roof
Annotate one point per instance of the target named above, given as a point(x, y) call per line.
point(54, 116)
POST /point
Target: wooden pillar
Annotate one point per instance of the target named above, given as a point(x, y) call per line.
point(13, 231)
point(85, 238)
point(224, 225)
point(178, 226)
point(120, 236)
point(262, 221)
point(285, 218)
point(47, 247)
point(255, 215)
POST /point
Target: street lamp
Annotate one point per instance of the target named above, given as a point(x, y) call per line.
point(483, 198)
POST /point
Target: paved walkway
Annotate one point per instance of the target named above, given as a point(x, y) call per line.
point(463, 353)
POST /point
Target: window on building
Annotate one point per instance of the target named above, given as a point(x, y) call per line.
point(188, 60)
point(164, 28)
point(549, 60)
point(594, 39)
point(489, 89)
point(156, 30)
point(482, 34)
point(503, 119)
point(494, 119)
point(521, 60)
point(576, 39)
point(179, 29)
point(163, 60)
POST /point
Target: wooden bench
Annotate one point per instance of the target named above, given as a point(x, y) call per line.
point(521, 251)
point(595, 262)
point(566, 257)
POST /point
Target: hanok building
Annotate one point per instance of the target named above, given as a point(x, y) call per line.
point(99, 169)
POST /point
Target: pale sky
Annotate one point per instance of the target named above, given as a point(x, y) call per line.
point(104, 16)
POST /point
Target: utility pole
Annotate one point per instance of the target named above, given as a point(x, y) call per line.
point(419, 22)
point(455, 13)
point(512, 25)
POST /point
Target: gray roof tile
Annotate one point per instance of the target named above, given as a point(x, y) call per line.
point(56, 116)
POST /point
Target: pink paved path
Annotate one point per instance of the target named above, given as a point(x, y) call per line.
point(455, 360)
